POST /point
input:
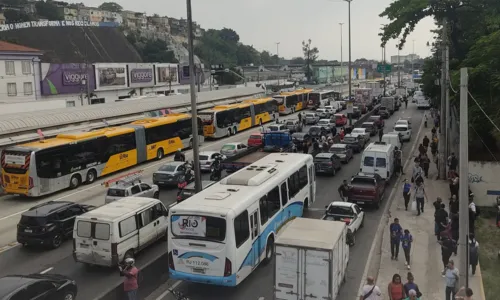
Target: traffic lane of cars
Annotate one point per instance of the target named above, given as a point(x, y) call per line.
point(326, 192)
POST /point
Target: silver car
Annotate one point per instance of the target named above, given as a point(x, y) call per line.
point(232, 149)
point(169, 173)
point(131, 188)
point(323, 113)
point(312, 118)
point(326, 123)
point(207, 159)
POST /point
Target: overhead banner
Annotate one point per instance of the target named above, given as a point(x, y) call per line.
point(66, 78)
point(167, 74)
point(141, 75)
point(111, 76)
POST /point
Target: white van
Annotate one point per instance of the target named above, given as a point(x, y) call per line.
point(392, 139)
point(378, 158)
point(118, 230)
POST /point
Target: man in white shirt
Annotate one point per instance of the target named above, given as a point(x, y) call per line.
point(370, 291)
point(472, 213)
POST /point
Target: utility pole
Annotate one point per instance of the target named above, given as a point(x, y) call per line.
point(385, 73)
point(399, 71)
point(412, 59)
point(192, 89)
point(443, 147)
point(349, 102)
point(463, 236)
point(278, 55)
point(341, 85)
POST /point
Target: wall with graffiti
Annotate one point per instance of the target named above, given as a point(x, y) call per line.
point(484, 182)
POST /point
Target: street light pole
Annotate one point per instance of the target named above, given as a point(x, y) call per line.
point(192, 89)
point(341, 59)
point(385, 72)
point(349, 102)
point(412, 58)
point(278, 55)
point(399, 71)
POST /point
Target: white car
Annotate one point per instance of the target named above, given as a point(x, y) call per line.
point(347, 212)
point(362, 131)
point(404, 130)
point(330, 109)
point(403, 122)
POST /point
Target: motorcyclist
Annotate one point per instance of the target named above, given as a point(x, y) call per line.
point(179, 156)
point(217, 169)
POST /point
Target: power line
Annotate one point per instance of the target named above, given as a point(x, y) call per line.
point(482, 110)
point(484, 144)
point(451, 87)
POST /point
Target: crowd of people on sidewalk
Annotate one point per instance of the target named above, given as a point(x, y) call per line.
point(446, 230)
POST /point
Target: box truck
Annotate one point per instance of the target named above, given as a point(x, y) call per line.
point(388, 102)
point(311, 259)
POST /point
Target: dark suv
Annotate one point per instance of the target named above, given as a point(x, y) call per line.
point(37, 286)
point(48, 224)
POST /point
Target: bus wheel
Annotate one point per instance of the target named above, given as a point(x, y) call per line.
point(191, 143)
point(75, 181)
point(306, 204)
point(235, 130)
point(159, 154)
point(229, 132)
point(91, 175)
point(260, 122)
point(269, 251)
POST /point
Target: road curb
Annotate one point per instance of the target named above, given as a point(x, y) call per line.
point(377, 241)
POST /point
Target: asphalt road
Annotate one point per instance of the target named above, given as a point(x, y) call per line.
point(260, 282)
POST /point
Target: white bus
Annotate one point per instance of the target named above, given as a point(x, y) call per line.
point(220, 235)
point(321, 98)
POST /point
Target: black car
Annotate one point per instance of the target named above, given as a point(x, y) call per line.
point(357, 142)
point(384, 112)
point(37, 286)
point(317, 131)
point(189, 190)
point(50, 223)
point(371, 127)
point(327, 163)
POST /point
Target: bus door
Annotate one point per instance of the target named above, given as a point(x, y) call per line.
point(254, 228)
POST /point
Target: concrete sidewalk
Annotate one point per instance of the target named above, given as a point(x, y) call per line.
point(426, 264)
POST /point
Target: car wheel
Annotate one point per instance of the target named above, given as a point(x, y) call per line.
point(69, 296)
point(56, 241)
point(362, 223)
point(269, 251)
point(75, 181)
point(156, 195)
point(159, 154)
point(91, 175)
point(333, 172)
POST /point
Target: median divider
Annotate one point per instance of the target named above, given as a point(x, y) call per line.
point(155, 272)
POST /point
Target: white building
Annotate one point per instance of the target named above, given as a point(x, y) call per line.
point(19, 73)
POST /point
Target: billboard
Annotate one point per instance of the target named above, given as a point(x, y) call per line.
point(111, 76)
point(66, 78)
point(140, 75)
point(185, 77)
point(167, 74)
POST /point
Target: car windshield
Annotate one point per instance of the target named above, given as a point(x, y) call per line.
point(400, 128)
point(362, 181)
point(323, 122)
point(382, 108)
point(314, 129)
point(116, 192)
point(337, 149)
point(322, 159)
point(367, 125)
point(350, 139)
point(274, 128)
point(310, 116)
point(33, 221)
point(340, 211)
point(203, 157)
point(255, 137)
point(338, 117)
point(358, 130)
point(374, 119)
point(228, 147)
point(168, 168)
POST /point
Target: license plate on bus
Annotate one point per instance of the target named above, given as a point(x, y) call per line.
point(199, 270)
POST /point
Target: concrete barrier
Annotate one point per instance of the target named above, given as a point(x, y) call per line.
point(156, 272)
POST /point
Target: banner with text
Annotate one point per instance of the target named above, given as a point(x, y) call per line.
point(140, 75)
point(167, 74)
point(111, 76)
point(67, 78)
point(36, 24)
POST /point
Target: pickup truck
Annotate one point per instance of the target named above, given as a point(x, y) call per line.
point(272, 142)
point(366, 189)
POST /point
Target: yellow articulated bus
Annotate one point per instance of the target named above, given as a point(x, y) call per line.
point(226, 120)
point(68, 160)
point(290, 102)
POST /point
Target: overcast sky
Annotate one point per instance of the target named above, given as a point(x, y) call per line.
point(262, 23)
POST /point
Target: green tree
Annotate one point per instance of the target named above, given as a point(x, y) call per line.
point(111, 6)
point(297, 61)
point(266, 58)
point(16, 16)
point(48, 10)
point(310, 56)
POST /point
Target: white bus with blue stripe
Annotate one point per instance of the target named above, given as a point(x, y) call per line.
point(220, 235)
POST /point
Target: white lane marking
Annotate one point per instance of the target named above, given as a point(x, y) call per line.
point(165, 293)
point(47, 271)
point(381, 224)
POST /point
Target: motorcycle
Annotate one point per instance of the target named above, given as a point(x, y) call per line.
point(178, 295)
point(186, 178)
point(216, 174)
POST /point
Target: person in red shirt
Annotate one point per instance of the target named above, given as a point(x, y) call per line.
point(130, 283)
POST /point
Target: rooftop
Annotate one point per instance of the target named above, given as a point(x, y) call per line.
point(10, 47)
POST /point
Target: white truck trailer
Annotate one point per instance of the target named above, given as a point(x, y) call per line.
point(389, 103)
point(311, 259)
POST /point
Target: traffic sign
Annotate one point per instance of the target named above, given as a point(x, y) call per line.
point(380, 68)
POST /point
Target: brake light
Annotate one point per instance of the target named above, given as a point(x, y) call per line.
point(30, 183)
point(347, 221)
point(171, 261)
point(228, 268)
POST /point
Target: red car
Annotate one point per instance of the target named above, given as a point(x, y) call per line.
point(340, 119)
point(255, 139)
point(366, 189)
point(378, 120)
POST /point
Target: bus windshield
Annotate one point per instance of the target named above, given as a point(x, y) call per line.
point(198, 227)
point(207, 118)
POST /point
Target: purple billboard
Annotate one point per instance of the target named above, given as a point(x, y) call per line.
point(141, 75)
point(66, 78)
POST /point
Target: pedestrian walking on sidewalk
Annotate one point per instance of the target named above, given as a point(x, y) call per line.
point(131, 274)
point(426, 163)
point(406, 192)
point(426, 142)
point(420, 196)
point(447, 248)
point(417, 173)
point(412, 295)
point(455, 229)
point(440, 219)
point(396, 231)
point(454, 205)
point(464, 294)
point(406, 241)
point(452, 275)
point(473, 253)
point(370, 291)
point(473, 213)
point(395, 289)
point(411, 285)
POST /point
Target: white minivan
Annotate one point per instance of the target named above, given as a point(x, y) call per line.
point(378, 158)
point(393, 139)
point(118, 230)
point(404, 130)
